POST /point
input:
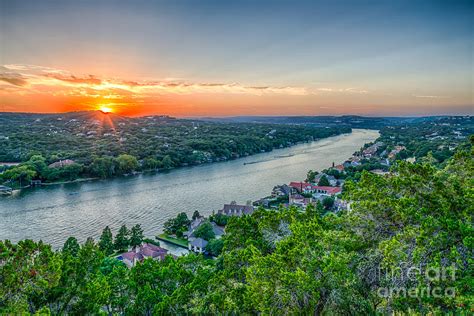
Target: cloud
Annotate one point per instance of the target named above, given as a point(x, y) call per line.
point(343, 90)
point(57, 82)
point(431, 96)
point(13, 78)
point(73, 79)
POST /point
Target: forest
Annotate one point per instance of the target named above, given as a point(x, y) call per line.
point(404, 246)
point(100, 145)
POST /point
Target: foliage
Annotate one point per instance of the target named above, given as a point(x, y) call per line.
point(323, 181)
point(109, 145)
point(177, 225)
point(106, 242)
point(204, 231)
point(311, 175)
point(196, 215)
point(328, 202)
point(281, 261)
point(220, 219)
point(215, 246)
point(136, 235)
point(122, 240)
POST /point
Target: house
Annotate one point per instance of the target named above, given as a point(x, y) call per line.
point(301, 187)
point(299, 200)
point(281, 190)
point(325, 190)
point(379, 172)
point(218, 231)
point(233, 209)
point(198, 245)
point(339, 168)
point(61, 163)
point(142, 252)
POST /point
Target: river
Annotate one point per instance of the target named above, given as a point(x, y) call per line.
point(53, 213)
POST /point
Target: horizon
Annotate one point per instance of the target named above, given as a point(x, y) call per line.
point(383, 59)
point(235, 116)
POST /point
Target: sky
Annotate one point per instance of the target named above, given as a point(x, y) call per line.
point(225, 58)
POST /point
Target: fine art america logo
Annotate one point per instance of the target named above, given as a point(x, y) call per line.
point(407, 281)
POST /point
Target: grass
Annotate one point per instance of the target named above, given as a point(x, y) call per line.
point(178, 241)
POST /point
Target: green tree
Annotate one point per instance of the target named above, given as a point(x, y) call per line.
point(214, 247)
point(311, 175)
point(136, 236)
point(323, 181)
point(103, 167)
point(196, 215)
point(328, 202)
point(126, 163)
point(23, 174)
point(121, 242)
point(106, 243)
point(71, 246)
point(167, 162)
point(205, 231)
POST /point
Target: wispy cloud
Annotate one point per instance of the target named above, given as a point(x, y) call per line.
point(343, 90)
point(432, 96)
point(62, 82)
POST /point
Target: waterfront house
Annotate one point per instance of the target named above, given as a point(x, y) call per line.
point(233, 209)
point(325, 190)
point(61, 163)
point(299, 200)
point(339, 168)
point(218, 231)
point(198, 245)
point(302, 187)
point(281, 190)
point(142, 252)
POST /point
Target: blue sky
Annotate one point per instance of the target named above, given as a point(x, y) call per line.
point(357, 57)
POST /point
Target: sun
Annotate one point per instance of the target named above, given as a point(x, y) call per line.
point(105, 109)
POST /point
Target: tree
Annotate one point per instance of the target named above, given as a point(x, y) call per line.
point(71, 246)
point(136, 236)
point(196, 215)
point(150, 163)
point(38, 163)
point(204, 231)
point(121, 242)
point(106, 241)
point(167, 162)
point(220, 219)
point(214, 247)
point(328, 202)
point(177, 225)
point(23, 174)
point(127, 163)
point(311, 175)
point(103, 167)
point(323, 181)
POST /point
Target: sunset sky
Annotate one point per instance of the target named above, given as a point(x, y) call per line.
point(221, 58)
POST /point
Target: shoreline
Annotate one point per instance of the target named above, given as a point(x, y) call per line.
point(150, 201)
point(135, 173)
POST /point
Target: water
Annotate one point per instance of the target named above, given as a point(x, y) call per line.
point(82, 210)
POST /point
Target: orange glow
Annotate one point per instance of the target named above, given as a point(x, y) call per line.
point(105, 109)
point(30, 88)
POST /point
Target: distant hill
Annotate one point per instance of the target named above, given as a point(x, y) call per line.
point(346, 120)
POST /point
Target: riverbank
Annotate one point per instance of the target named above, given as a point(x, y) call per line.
point(53, 213)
